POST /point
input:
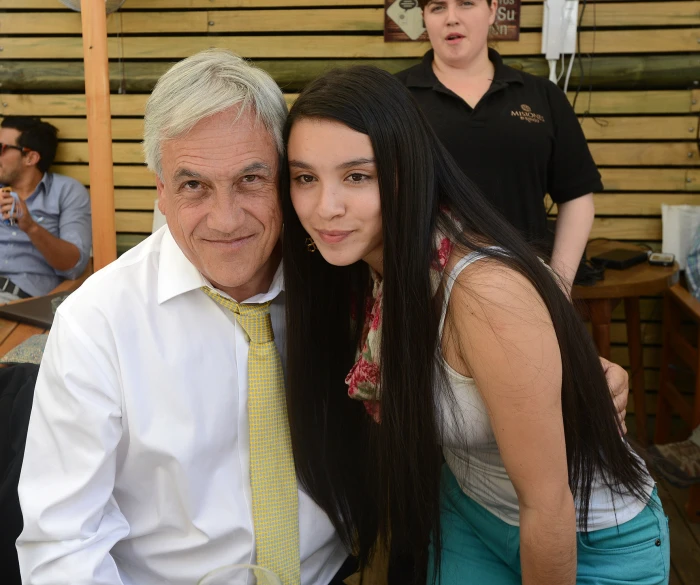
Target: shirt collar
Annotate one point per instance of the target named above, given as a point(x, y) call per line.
point(177, 275)
point(424, 76)
point(46, 181)
point(45, 184)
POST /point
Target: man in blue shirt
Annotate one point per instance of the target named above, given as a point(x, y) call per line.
point(45, 232)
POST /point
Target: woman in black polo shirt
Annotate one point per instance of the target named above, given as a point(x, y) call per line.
point(515, 135)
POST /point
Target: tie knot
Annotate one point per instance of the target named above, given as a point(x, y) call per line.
point(254, 318)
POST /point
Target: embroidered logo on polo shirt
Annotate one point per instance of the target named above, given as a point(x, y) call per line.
point(525, 113)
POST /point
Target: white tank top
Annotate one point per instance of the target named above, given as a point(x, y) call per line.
point(479, 468)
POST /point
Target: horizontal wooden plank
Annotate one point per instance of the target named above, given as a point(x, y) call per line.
point(134, 221)
point(135, 199)
point(616, 72)
point(611, 154)
point(74, 105)
point(255, 47)
point(67, 105)
point(637, 102)
point(638, 14)
point(68, 23)
point(625, 41)
point(622, 228)
point(645, 153)
point(322, 19)
point(78, 152)
point(124, 176)
point(201, 21)
point(650, 179)
point(76, 128)
point(640, 203)
point(336, 46)
point(640, 128)
point(307, 20)
point(602, 102)
point(191, 4)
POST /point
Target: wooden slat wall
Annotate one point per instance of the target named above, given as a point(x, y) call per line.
point(641, 117)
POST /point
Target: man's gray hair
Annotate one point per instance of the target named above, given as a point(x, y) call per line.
point(203, 85)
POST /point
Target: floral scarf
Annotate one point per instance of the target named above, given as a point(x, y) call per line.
point(363, 380)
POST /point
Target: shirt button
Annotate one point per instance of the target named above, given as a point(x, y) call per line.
point(658, 542)
point(14, 233)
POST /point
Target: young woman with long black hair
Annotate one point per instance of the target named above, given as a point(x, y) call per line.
point(407, 292)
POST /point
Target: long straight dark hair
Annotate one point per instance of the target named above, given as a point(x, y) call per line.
point(384, 479)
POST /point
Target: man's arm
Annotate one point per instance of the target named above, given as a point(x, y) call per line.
point(68, 253)
point(75, 227)
point(60, 255)
point(71, 520)
point(574, 223)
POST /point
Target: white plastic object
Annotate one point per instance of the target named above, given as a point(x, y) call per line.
point(559, 27)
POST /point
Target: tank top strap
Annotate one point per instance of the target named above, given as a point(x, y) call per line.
point(455, 272)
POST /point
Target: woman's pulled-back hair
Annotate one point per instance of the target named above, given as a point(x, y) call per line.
point(384, 479)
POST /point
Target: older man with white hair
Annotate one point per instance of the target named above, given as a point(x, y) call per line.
point(158, 447)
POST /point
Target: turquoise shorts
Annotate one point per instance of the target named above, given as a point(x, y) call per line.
point(479, 548)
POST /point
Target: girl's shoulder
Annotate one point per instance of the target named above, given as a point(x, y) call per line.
point(481, 282)
point(486, 258)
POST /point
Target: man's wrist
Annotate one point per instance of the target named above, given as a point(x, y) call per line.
point(32, 228)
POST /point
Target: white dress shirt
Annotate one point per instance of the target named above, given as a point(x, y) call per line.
point(136, 470)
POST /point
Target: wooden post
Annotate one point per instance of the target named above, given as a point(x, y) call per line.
point(99, 121)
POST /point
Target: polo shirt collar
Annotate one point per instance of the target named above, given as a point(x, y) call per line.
point(503, 72)
point(177, 275)
point(424, 76)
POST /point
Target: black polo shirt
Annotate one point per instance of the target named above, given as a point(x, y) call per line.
point(522, 141)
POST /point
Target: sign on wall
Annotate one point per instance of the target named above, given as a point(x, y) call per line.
point(403, 21)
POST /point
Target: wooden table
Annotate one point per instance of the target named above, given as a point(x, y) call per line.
point(627, 286)
point(13, 333)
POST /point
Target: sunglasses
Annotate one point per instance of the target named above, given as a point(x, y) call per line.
point(4, 147)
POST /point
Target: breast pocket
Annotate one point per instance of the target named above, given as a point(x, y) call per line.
point(49, 221)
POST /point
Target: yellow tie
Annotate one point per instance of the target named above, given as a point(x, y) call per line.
point(272, 474)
